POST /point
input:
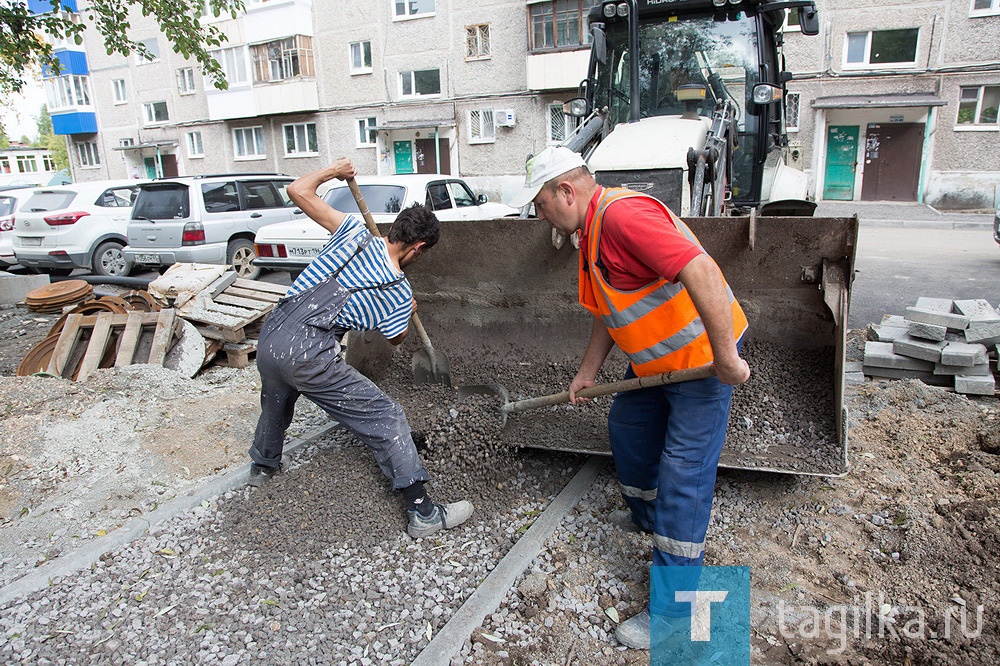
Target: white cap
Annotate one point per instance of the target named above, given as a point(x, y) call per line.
point(552, 162)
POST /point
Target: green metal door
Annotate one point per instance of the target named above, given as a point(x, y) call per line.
point(150, 164)
point(403, 152)
point(841, 161)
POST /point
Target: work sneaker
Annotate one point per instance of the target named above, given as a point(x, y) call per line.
point(260, 473)
point(443, 517)
point(635, 631)
point(622, 519)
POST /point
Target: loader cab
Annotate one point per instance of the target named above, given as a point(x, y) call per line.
point(647, 57)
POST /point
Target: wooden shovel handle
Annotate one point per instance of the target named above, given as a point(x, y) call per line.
point(672, 377)
point(370, 223)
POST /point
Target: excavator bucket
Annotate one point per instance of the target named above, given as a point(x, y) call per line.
point(509, 297)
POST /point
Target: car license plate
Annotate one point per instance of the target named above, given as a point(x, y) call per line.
point(28, 241)
point(147, 258)
point(303, 251)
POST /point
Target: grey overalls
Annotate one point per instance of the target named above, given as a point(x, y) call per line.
point(298, 353)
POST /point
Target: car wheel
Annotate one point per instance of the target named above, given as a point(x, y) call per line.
point(240, 256)
point(110, 261)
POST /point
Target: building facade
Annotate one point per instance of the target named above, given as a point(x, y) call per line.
point(896, 100)
point(448, 86)
point(24, 166)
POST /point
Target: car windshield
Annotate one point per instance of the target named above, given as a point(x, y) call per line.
point(380, 198)
point(161, 203)
point(42, 202)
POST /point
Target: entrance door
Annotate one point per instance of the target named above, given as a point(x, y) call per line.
point(403, 153)
point(841, 161)
point(428, 161)
point(169, 163)
point(892, 162)
point(150, 164)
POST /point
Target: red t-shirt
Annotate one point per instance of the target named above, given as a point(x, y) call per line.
point(639, 244)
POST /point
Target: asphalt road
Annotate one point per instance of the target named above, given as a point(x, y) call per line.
point(897, 265)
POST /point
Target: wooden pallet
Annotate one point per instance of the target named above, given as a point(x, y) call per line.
point(89, 342)
point(236, 354)
point(232, 309)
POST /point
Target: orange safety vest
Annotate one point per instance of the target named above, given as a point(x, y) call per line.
point(657, 325)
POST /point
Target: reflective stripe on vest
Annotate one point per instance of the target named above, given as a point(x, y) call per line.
point(657, 325)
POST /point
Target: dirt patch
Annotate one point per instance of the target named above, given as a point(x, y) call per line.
point(905, 544)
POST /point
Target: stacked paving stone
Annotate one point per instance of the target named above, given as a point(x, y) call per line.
point(939, 341)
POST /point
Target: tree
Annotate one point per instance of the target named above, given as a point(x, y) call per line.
point(58, 152)
point(23, 45)
point(4, 141)
point(44, 126)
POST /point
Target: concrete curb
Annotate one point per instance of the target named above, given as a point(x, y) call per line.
point(86, 555)
point(490, 593)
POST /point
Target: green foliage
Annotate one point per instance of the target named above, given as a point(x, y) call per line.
point(58, 151)
point(44, 126)
point(23, 47)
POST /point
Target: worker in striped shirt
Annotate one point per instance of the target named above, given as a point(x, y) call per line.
point(356, 283)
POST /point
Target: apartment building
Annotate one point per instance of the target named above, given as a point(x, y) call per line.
point(896, 100)
point(451, 86)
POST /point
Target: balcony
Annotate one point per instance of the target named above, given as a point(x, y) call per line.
point(557, 70)
point(291, 96)
point(275, 19)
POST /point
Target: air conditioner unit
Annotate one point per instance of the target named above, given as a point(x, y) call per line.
point(504, 117)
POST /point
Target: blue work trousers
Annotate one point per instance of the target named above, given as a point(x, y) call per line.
point(666, 442)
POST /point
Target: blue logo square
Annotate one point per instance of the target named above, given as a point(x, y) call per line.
point(699, 615)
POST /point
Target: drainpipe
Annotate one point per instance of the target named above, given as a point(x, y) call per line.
point(925, 152)
point(437, 149)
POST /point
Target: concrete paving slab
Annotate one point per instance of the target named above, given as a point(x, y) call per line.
point(926, 331)
point(895, 373)
point(982, 369)
point(881, 355)
point(936, 304)
point(926, 350)
point(975, 385)
point(926, 316)
point(963, 353)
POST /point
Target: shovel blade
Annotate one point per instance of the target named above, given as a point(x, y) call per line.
point(431, 368)
point(369, 353)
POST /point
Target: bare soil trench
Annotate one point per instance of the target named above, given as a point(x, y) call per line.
point(879, 566)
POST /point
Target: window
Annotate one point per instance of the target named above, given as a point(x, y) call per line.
point(48, 163)
point(234, 64)
point(481, 126)
point(420, 83)
point(300, 139)
point(220, 197)
point(4, 165)
point(195, 147)
point(155, 112)
point(248, 142)
point(985, 8)
point(260, 194)
point(125, 143)
point(283, 59)
point(477, 41)
point(792, 112)
point(26, 164)
point(882, 48)
point(412, 8)
point(118, 89)
point(361, 57)
point(152, 46)
point(367, 134)
point(67, 91)
point(462, 195)
point(560, 124)
point(791, 23)
point(558, 24)
point(87, 154)
point(977, 105)
point(185, 80)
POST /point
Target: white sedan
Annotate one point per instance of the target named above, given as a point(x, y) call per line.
point(292, 245)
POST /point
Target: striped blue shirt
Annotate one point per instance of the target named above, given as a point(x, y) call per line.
point(388, 309)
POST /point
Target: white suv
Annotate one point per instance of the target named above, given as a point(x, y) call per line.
point(10, 200)
point(206, 219)
point(81, 225)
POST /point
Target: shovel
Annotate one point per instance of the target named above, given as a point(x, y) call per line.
point(672, 377)
point(429, 365)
